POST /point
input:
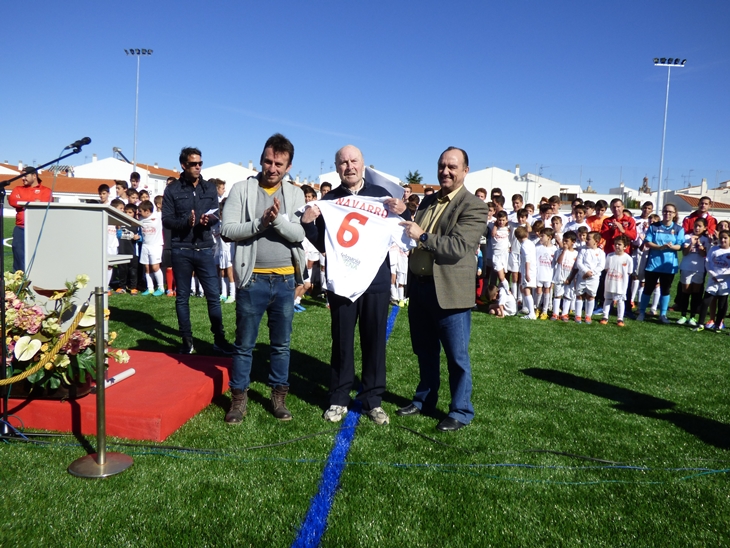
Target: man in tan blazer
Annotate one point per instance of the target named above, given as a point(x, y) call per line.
point(448, 226)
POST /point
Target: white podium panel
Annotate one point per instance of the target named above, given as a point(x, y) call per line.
point(71, 240)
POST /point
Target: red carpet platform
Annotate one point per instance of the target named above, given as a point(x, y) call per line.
point(166, 391)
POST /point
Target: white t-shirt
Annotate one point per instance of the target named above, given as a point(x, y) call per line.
point(718, 271)
point(545, 257)
point(618, 270)
point(507, 300)
point(152, 230)
point(500, 242)
point(528, 262)
point(591, 260)
point(360, 231)
point(692, 261)
point(565, 266)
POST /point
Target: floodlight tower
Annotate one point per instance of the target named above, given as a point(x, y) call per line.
point(669, 63)
point(137, 53)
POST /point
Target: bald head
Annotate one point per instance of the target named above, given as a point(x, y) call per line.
point(350, 166)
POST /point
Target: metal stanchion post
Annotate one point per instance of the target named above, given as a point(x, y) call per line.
point(100, 464)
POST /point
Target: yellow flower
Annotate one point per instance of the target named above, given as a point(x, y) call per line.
point(57, 296)
point(120, 356)
point(112, 336)
point(61, 361)
point(81, 281)
point(26, 348)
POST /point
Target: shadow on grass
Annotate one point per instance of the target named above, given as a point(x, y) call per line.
point(164, 335)
point(709, 431)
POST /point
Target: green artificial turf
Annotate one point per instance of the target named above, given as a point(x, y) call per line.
point(584, 435)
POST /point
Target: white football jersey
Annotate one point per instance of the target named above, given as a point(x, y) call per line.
point(360, 231)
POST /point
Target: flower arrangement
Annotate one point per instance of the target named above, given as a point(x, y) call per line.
point(32, 331)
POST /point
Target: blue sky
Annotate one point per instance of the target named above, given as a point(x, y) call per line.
point(554, 84)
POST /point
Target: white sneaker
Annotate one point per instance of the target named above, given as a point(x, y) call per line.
point(529, 317)
point(378, 416)
point(335, 413)
point(230, 300)
point(682, 321)
point(692, 322)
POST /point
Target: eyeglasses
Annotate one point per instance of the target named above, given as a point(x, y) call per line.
point(668, 211)
point(193, 164)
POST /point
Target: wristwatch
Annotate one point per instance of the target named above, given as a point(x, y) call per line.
point(423, 237)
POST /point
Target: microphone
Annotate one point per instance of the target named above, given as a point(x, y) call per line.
point(79, 143)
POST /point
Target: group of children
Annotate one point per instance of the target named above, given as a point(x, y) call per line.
point(549, 272)
point(146, 246)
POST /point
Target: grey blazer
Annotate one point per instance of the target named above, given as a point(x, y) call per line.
point(454, 246)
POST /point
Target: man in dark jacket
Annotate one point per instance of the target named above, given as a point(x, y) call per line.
point(187, 211)
point(370, 309)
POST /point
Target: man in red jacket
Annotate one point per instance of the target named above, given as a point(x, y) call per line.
point(616, 225)
point(703, 212)
point(31, 191)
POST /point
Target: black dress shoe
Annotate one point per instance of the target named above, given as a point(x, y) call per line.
point(449, 425)
point(408, 410)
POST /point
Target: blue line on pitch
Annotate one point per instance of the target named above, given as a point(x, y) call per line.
point(315, 522)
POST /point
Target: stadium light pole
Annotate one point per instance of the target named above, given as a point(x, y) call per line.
point(669, 63)
point(138, 53)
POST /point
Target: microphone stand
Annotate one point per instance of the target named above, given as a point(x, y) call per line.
point(5, 390)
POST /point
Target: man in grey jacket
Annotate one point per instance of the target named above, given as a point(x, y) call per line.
point(260, 219)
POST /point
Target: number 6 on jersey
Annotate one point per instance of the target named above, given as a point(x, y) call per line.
point(347, 228)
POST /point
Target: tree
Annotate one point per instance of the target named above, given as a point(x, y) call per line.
point(414, 178)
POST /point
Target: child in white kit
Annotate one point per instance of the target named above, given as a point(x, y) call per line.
point(513, 262)
point(503, 303)
point(151, 254)
point(590, 263)
point(222, 254)
point(499, 239)
point(528, 271)
point(545, 252)
point(562, 280)
point(718, 281)
point(619, 267)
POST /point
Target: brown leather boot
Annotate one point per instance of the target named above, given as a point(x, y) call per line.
point(278, 397)
point(239, 399)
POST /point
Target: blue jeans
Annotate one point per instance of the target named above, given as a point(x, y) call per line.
point(201, 261)
point(273, 294)
point(431, 327)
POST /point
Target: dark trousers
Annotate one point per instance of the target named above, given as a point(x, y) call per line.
point(371, 310)
point(200, 261)
point(18, 249)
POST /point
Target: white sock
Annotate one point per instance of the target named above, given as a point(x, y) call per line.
point(620, 308)
point(634, 289)
point(655, 299)
point(556, 306)
point(108, 276)
point(223, 287)
point(566, 307)
point(160, 280)
point(590, 305)
point(530, 304)
point(606, 310)
point(579, 308)
point(401, 293)
point(504, 283)
point(297, 300)
point(150, 285)
point(513, 287)
point(639, 293)
point(192, 285)
point(393, 293)
point(231, 290)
